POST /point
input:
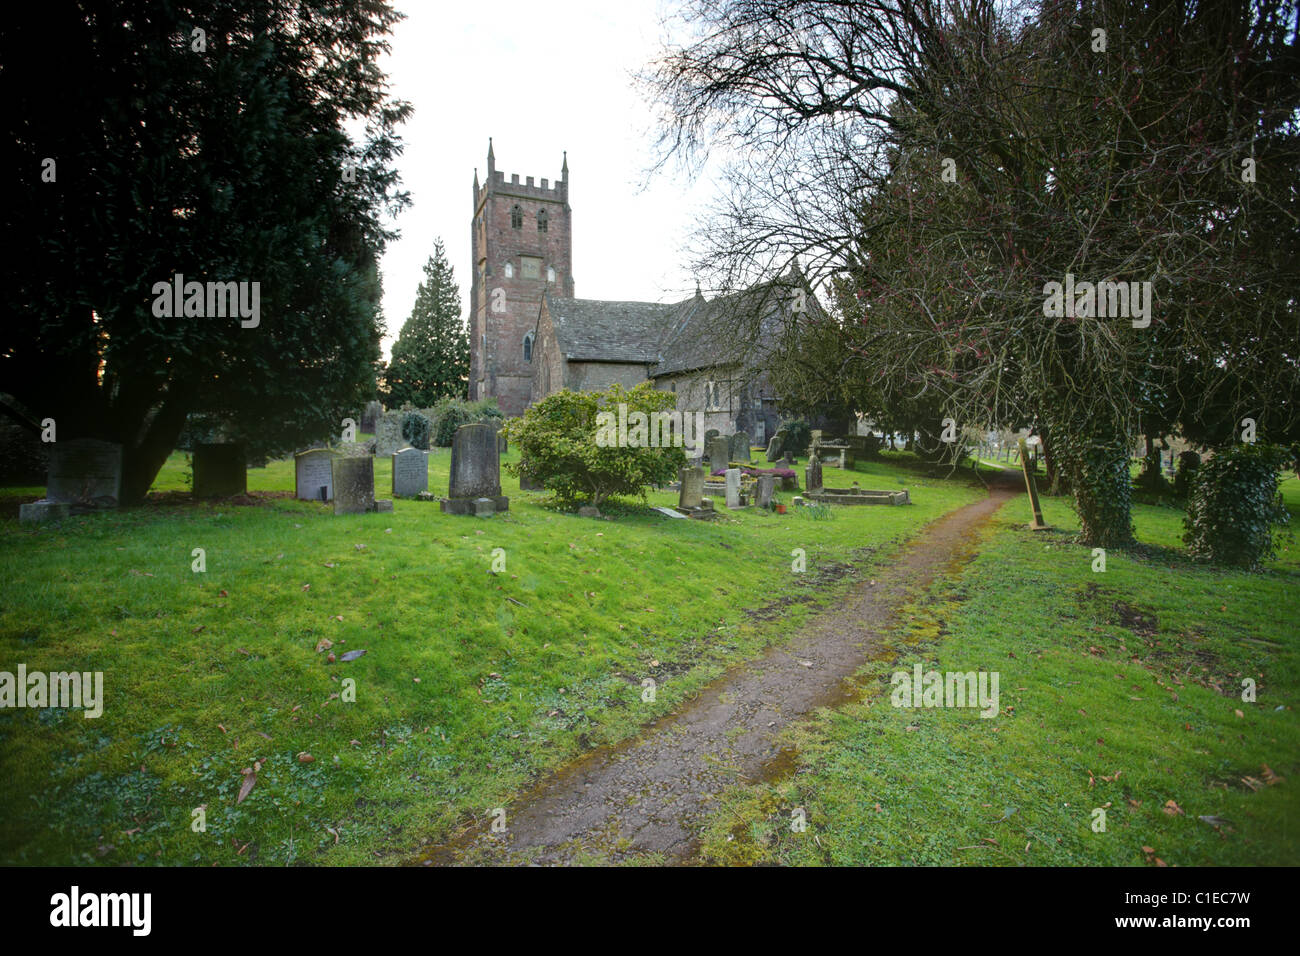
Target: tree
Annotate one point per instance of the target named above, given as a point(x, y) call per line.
point(431, 354)
point(213, 147)
point(559, 441)
point(944, 162)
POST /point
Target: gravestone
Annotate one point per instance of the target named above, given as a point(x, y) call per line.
point(220, 470)
point(410, 473)
point(719, 452)
point(475, 472)
point(711, 434)
point(812, 474)
point(1028, 468)
point(314, 475)
point(739, 449)
point(354, 485)
point(766, 486)
point(692, 490)
point(774, 447)
point(733, 487)
point(86, 472)
point(39, 512)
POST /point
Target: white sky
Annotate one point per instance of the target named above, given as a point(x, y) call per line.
point(539, 78)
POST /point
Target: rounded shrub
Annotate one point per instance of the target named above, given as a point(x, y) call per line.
point(1234, 505)
point(798, 436)
point(451, 416)
point(415, 430)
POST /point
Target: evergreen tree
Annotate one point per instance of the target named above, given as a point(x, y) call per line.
point(431, 354)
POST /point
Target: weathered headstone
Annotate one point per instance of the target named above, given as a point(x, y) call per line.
point(410, 473)
point(39, 512)
point(733, 487)
point(475, 472)
point(740, 447)
point(1027, 467)
point(692, 490)
point(812, 474)
point(718, 452)
point(220, 470)
point(774, 447)
point(314, 475)
point(86, 472)
point(711, 434)
point(766, 486)
point(354, 485)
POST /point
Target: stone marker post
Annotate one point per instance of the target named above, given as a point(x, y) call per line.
point(692, 490)
point(733, 487)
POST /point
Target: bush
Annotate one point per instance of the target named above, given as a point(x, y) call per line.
point(557, 446)
point(416, 429)
point(798, 436)
point(450, 413)
point(1234, 504)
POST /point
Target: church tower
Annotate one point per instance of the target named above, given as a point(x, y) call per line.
point(523, 246)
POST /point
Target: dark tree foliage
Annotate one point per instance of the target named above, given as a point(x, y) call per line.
point(431, 355)
point(221, 156)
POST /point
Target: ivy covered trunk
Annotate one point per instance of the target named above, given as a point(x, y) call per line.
point(1092, 454)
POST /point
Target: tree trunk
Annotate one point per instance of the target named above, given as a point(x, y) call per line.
point(142, 461)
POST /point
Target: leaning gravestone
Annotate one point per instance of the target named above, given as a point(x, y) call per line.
point(475, 473)
point(354, 485)
point(220, 470)
point(740, 447)
point(718, 451)
point(774, 447)
point(314, 475)
point(410, 473)
point(85, 472)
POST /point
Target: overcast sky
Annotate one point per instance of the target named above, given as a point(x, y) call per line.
point(540, 79)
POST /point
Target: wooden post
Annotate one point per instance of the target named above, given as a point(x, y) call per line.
point(1027, 467)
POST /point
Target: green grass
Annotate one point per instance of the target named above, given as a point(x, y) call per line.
point(472, 684)
point(1119, 690)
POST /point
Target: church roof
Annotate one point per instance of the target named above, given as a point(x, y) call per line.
point(593, 330)
point(736, 329)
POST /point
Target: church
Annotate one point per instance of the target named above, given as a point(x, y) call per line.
point(531, 336)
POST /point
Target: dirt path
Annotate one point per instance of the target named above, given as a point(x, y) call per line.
point(651, 793)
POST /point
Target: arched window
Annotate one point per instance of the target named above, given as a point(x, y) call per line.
point(510, 270)
point(516, 218)
point(542, 220)
point(528, 347)
point(550, 274)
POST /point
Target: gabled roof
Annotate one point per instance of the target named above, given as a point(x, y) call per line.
point(592, 330)
point(736, 329)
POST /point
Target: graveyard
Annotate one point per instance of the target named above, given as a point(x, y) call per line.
point(382, 677)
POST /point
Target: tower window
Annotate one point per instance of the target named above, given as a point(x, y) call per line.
point(550, 274)
point(528, 347)
point(516, 218)
point(542, 221)
point(510, 270)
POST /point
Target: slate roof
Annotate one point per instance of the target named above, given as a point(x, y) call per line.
point(673, 337)
point(592, 330)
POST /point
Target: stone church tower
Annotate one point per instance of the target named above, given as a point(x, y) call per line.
point(523, 247)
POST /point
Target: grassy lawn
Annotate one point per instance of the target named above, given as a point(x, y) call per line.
point(1119, 690)
point(472, 683)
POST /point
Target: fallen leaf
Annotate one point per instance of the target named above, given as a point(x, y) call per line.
point(305, 757)
point(351, 655)
point(224, 594)
point(250, 778)
point(324, 644)
point(1172, 808)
